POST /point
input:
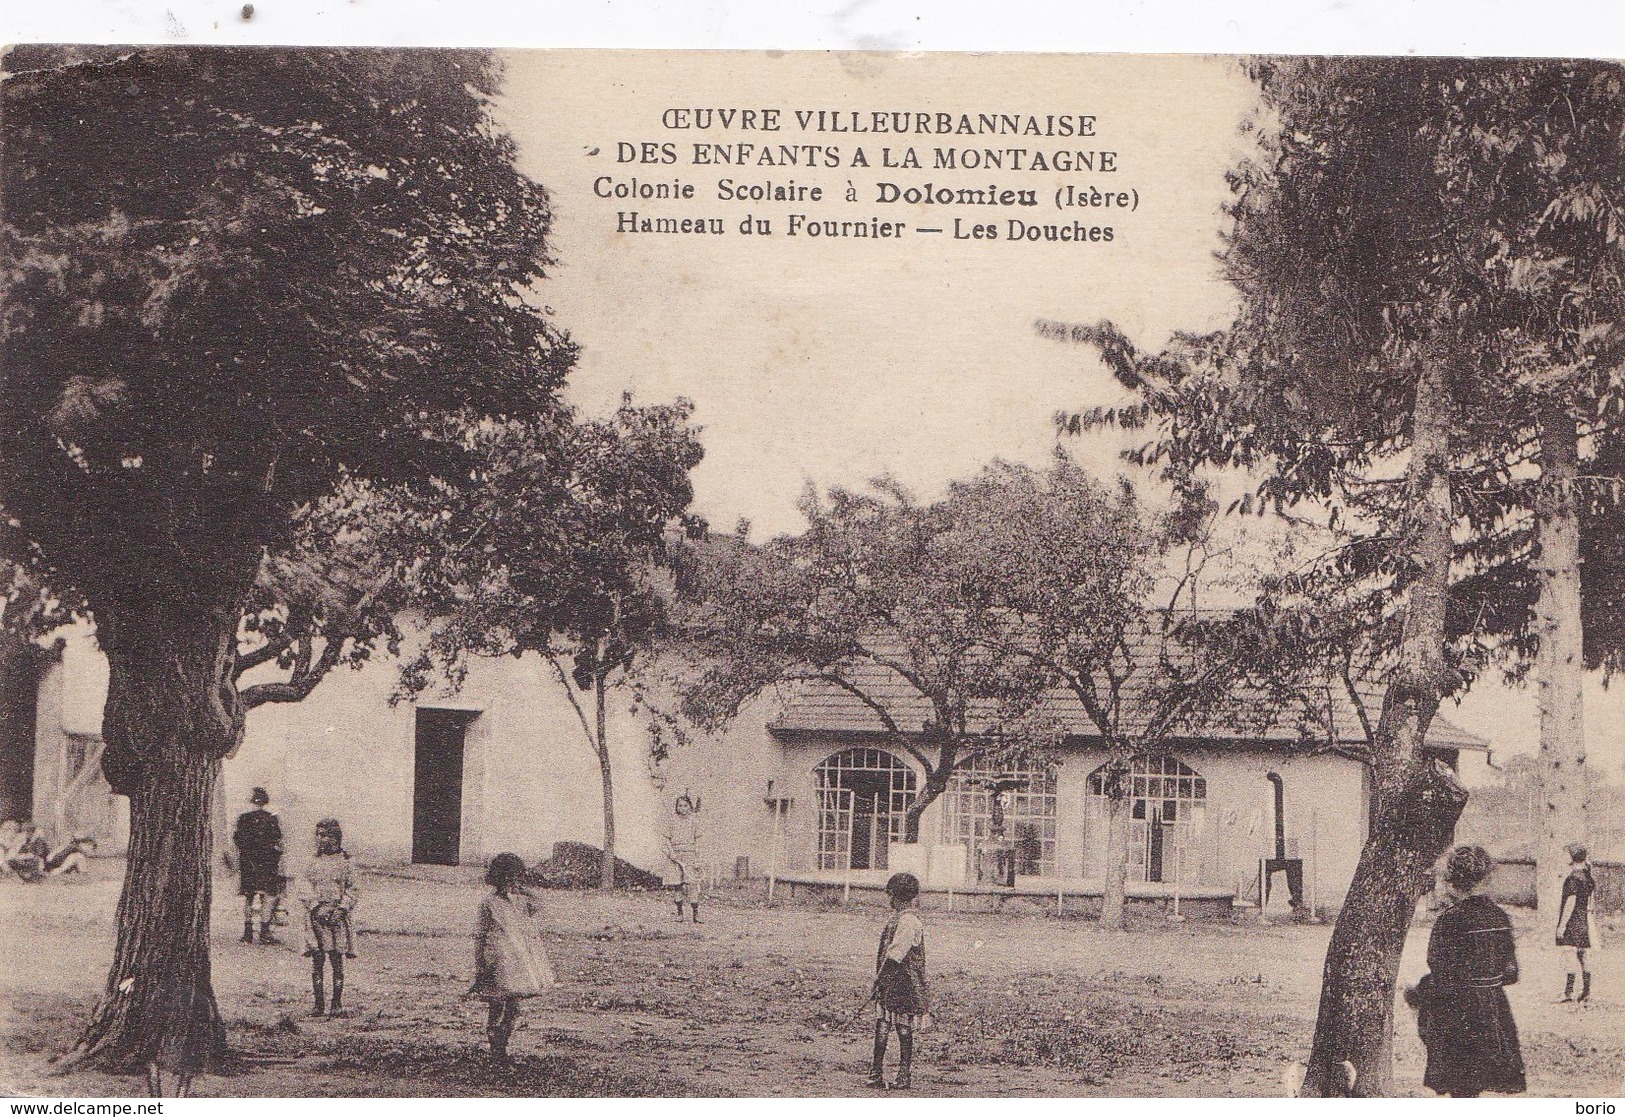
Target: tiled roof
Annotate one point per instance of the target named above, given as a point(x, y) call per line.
point(1245, 715)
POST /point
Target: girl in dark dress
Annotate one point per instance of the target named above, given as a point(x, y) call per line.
point(258, 838)
point(899, 989)
point(1464, 1018)
point(1574, 926)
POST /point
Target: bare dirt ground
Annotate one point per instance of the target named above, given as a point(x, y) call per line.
point(758, 1000)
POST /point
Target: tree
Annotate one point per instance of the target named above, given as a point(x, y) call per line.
point(1551, 129)
point(561, 552)
point(1365, 357)
point(1101, 600)
point(883, 599)
point(233, 280)
point(331, 595)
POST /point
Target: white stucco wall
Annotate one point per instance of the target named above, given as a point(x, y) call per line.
point(530, 779)
point(1325, 807)
point(529, 776)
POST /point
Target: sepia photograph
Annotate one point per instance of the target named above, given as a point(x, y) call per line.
point(665, 574)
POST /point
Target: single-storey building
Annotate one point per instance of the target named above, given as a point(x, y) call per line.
point(451, 778)
point(808, 786)
point(805, 786)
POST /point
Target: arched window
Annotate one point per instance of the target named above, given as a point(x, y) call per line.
point(863, 796)
point(1167, 810)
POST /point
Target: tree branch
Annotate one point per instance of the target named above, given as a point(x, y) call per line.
point(897, 735)
point(575, 703)
point(265, 653)
point(303, 680)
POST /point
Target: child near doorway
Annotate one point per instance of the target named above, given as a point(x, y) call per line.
point(899, 990)
point(327, 890)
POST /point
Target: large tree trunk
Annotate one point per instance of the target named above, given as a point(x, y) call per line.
point(1418, 803)
point(171, 716)
point(1558, 660)
point(1356, 1019)
point(1115, 899)
point(936, 782)
point(607, 872)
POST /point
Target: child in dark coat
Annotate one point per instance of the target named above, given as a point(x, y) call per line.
point(1575, 926)
point(1463, 1015)
point(899, 991)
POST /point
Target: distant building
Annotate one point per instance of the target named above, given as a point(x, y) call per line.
point(804, 785)
point(502, 765)
point(808, 786)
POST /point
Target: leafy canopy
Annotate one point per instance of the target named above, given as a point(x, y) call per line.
point(233, 277)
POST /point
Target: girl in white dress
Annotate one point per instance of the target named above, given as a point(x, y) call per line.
point(509, 961)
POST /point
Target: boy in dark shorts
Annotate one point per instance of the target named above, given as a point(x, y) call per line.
point(899, 991)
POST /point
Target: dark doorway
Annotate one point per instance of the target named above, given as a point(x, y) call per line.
point(871, 821)
point(437, 786)
point(863, 797)
point(19, 691)
point(1153, 856)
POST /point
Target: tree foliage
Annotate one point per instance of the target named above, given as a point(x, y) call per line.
point(1427, 265)
point(882, 598)
point(560, 547)
point(308, 255)
point(233, 281)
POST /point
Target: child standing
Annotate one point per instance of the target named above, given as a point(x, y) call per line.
point(327, 889)
point(509, 962)
point(899, 990)
point(258, 838)
point(1463, 1015)
point(1575, 927)
point(683, 849)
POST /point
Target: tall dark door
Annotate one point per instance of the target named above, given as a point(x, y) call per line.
point(871, 823)
point(19, 692)
point(437, 786)
point(1154, 850)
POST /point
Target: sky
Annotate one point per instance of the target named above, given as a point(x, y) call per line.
point(835, 361)
point(832, 361)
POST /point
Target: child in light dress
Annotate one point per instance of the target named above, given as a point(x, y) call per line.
point(509, 961)
point(327, 889)
point(683, 850)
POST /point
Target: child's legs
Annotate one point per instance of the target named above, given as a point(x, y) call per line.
point(335, 960)
point(882, 1033)
point(74, 862)
point(1579, 965)
point(905, 1049)
point(500, 1018)
point(316, 984)
point(248, 906)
